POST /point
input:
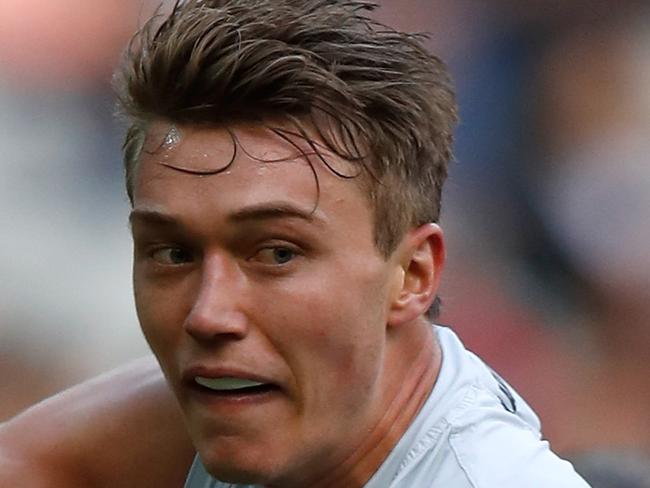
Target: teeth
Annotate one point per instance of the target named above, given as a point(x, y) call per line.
point(221, 384)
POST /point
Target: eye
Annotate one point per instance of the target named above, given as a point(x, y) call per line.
point(171, 256)
point(275, 255)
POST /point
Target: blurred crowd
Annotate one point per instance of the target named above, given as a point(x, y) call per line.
point(546, 213)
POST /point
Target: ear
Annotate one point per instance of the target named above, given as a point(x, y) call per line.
point(420, 257)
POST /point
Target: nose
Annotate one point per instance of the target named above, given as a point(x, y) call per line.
point(216, 313)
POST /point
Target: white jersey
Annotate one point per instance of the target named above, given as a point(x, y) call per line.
point(474, 431)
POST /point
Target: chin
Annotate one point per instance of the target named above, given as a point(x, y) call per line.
point(246, 471)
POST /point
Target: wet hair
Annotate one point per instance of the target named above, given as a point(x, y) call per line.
point(373, 95)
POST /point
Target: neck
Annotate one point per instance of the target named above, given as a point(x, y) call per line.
point(404, 399)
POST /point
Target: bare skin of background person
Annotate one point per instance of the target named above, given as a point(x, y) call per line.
point(85, 436)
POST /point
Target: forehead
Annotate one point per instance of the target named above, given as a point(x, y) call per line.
point(182, 168)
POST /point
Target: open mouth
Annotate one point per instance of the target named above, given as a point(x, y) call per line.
point(232, 386)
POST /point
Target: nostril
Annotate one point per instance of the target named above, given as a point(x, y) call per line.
point(206, 326)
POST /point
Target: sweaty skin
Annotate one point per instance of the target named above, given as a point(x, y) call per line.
point(122, 429)
point(250, 272)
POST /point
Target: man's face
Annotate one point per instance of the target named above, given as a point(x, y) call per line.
point(265, 306)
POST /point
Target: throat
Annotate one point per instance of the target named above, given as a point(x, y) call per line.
point(402, 407)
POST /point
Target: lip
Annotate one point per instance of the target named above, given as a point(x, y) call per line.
point(192, 372)
point(217, 399)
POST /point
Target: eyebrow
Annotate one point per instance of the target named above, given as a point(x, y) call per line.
point(275, 210)
point(150, 216)
point(256, 212)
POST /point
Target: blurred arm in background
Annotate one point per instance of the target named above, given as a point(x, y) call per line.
point(122, 429)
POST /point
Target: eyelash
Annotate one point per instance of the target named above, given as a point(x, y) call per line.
point(273, 249)
point(188, 256)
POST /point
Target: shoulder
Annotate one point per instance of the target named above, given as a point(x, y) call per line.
point(27, 463)
point(480, 434)
point(493, 447)
point(485, 446)
point(120, 429)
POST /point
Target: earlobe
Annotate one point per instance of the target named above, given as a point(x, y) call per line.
point(421, 256)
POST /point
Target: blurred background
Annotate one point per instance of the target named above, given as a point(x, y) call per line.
point(546, 212)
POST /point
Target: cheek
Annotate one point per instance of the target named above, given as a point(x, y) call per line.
point(339, 366)
point(149, 318)
point(160, 317)
point(338, 338)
